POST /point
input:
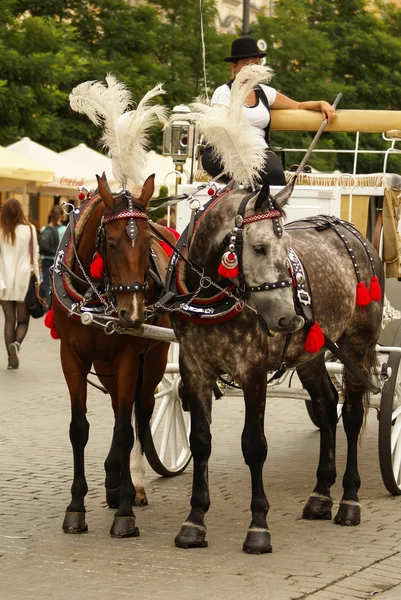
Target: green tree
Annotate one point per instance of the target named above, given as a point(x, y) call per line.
point(321, 47)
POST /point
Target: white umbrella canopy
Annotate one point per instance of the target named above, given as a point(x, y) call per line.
point(93, 163)
point(17, 171)
point(96, 163)
point(164, 169)
point(68, 173)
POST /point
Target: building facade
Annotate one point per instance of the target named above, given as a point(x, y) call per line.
point(230, 12)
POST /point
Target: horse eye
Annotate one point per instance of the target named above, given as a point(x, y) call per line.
point(259, 250)
point(111, 244)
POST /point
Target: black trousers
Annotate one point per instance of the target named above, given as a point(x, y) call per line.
point(272, 170)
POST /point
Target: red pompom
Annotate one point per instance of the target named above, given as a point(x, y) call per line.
point(81, 196)
point(54, 334)
point(96, 267)
point(375, 289)
point(211, 191)
point(315, 339)
point(228, 266)
point(362, 295)
point(49, 319)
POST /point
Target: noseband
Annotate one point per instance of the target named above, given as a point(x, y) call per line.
point(133, 213)
point(235, 245)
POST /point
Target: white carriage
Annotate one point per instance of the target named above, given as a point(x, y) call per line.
point(356, 198)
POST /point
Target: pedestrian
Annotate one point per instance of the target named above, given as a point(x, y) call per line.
point(15, 272)
point(49, 238)
point(258, 103)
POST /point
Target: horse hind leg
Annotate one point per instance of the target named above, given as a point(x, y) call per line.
point(153, 368)
point(349, 512)
point(324, 398)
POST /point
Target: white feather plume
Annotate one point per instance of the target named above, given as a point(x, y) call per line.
point(234, 141)
point(128, 145)
point(101, 102)
point(125, 132)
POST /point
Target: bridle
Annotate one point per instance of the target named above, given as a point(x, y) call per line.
point(235, 245)
point(134, 212)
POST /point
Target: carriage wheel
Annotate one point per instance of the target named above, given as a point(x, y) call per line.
point(167, 445)
point(390, 423)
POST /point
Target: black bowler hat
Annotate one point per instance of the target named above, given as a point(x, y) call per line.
point(244, 47)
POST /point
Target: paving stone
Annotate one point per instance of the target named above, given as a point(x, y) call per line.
point(316, 560)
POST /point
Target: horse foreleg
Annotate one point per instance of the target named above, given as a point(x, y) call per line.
point(75, 372)
point(349, 512)
point(197, 394)
point(254, 450)
point(105, 373)
point(123, 441)
point(324, 397)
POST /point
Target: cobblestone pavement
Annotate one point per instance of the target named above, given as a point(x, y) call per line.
point(315, 560)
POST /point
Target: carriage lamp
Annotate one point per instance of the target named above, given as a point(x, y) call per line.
point(178, 136)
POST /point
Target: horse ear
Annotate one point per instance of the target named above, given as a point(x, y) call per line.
point(148, 189)
point(104, 179)
point(262, 197)
point(104, 192)
point(282, 197)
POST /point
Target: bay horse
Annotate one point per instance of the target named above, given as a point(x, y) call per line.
point(332, 258)
point(130, 368)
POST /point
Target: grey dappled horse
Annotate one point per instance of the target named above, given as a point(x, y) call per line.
point(242, 349)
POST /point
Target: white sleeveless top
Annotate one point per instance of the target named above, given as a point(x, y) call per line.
point(258, 115)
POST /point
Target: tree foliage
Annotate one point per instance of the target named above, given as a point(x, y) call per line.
point(317, 48)
point(321, 47)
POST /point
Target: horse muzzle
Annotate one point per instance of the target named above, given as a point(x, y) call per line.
point(289, 324)
point(129, 321)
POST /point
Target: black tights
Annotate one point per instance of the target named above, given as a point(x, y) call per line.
point(16, 321)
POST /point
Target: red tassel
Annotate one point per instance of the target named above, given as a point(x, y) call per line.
point(96, 267)
point(54, 334)
point(315, 339)
point(362, 295)
point(228, 266)
point(228, 273)
point(49, 319)
point(375, 289)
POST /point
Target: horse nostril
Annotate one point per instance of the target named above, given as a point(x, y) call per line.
point(285, 321)
point(124, 316)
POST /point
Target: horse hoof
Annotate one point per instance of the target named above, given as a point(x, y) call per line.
point(113, 497)
point(74, 522)
point(348, 514)
point(124, 527)
point(318, 507)
point(191, 536)
point(257, 541)
point(140, 497)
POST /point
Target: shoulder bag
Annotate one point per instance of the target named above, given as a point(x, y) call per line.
point(35, 296)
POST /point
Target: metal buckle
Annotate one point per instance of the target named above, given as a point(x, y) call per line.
point(303, 297)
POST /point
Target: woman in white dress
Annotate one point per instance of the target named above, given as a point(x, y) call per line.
point(15, 272)
point(258, 104)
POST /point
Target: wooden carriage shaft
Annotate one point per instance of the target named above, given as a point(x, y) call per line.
point(165, 334)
